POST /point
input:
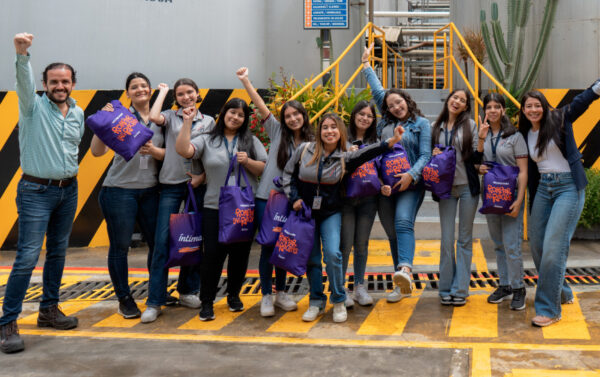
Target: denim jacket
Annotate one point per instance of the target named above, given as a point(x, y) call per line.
point(416, 139)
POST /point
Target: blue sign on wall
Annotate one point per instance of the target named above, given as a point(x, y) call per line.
point(326, 14)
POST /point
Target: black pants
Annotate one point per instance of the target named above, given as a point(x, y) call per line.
point(214, 258)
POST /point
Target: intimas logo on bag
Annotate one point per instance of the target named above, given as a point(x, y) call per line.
point(364, 170)
point(431, 175)
point(124, 127)
point(243, 216)
point(279, 218)
point(287, 244)
point(188, 238)
point(397, 165)
point(498, 194)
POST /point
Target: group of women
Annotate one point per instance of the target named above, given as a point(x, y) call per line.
point(192, 146)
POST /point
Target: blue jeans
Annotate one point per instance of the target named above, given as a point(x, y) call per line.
point(554, 216)
point(455, 271)
point(386, 208)
point(507, 234)
point(171, 197)
point(357, 221)
point(43, 210)
point(121, 208)
point(327, 231)
point(265, 268)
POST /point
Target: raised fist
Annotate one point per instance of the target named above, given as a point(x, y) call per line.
point(23, 42)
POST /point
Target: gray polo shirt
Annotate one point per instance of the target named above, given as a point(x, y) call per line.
point(215, 158)
point(141, 171)
point(460, 174)
point(175, 167)
point(273, 128)
point(508, 149)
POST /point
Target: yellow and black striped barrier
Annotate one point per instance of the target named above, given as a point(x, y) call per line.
point(89, 228)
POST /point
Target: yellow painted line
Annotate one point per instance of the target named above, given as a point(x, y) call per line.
point(571, 326)
point(479, 256)
point(427, 252)
point(586, 122)
point(68, 307)
point(291, 322)
point(9, 206)
point(117, 320)
point(9, 116)
point(101, 237)
point(481, 365)
point(476, 319)
point(390, 318)
point(240, 93)
point(551, 373)
point(4, 279)
point(223, 316)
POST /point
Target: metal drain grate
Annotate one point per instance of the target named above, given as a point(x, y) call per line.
point(375, 283)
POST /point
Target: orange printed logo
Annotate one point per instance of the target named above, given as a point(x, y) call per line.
point(396, 166)
point(431, 175)
point(243, 216)
point(124, 127)
point(498, 194)
point(287, 244)
point(188, 249)
point(364, 170)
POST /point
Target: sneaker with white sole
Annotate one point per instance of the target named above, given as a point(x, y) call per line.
point(190, 301)
point(349, 303)
point(312, 313)
point(403, 280)
point(150, 314)
point(361, 296)
point(266, 306)
point(339, 312)
point(283, 301)
point(395, 295)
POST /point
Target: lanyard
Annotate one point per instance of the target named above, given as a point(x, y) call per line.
point(451, 135)
point(320, 174)
point(232, 145)
point(495, 145)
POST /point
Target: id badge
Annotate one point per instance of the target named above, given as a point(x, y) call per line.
point(144, 162)
point(317, 202)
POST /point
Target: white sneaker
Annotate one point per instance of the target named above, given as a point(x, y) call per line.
point(339, 312)
point(361, 295)
point(150, 314)
point(190, 301)
point(312, 313)
point(266, 306)
point(283, 301)
point(395, 295)
point(349, 303)
point(403, 280)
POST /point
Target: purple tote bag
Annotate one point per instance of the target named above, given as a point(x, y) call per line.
point(276, 214)
point(295, 242)
point(236, 208)
point(499, 188)
point(364, 181)
point(185, 235)
point(119, 130)
point(438, 174)
point(392, 163)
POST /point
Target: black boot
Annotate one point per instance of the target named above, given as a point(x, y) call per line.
point(10, 341)
point(52, 316)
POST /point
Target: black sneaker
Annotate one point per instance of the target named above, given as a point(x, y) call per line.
point(459, 301)
point(500, 294)
point(171, 300)
point(518, 300)
point(446, 300)
point(128, 308)
point(235, 304)
point(207, 313)
point(52, 316)
point(10, 341)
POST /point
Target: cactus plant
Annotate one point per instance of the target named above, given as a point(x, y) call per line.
point(508, 52)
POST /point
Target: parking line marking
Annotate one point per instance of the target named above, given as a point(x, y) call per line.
point(572, 325)
point(291, 322)
point(481, 365)
point(117, 320)
point(551, 373)
point(223, 316)
point(476, 319)
point(389, 318)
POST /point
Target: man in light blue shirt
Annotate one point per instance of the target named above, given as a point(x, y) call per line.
point(50, 129)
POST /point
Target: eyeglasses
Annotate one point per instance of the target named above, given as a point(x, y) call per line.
point(459, 98)
point(366, 115)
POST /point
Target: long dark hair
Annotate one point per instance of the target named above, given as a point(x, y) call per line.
point(463, 121)
point(550, 126)
point(136, 75)
point(319, 147)
point(371, 132)
point(244, 142)
point(413, 110)
point(287, 135)
point(506, 126)
point(185, 81)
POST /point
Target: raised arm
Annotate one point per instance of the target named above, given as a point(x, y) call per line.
point(358, 157)
point(155, 115)
point(25, 81)
point(183, 146)
point(377, 90)
point(582, 101)
point(263, 110)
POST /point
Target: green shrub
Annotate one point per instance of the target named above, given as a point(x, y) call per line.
point(591, 210)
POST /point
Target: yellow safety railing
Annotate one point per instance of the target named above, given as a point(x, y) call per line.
point(340, 89)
